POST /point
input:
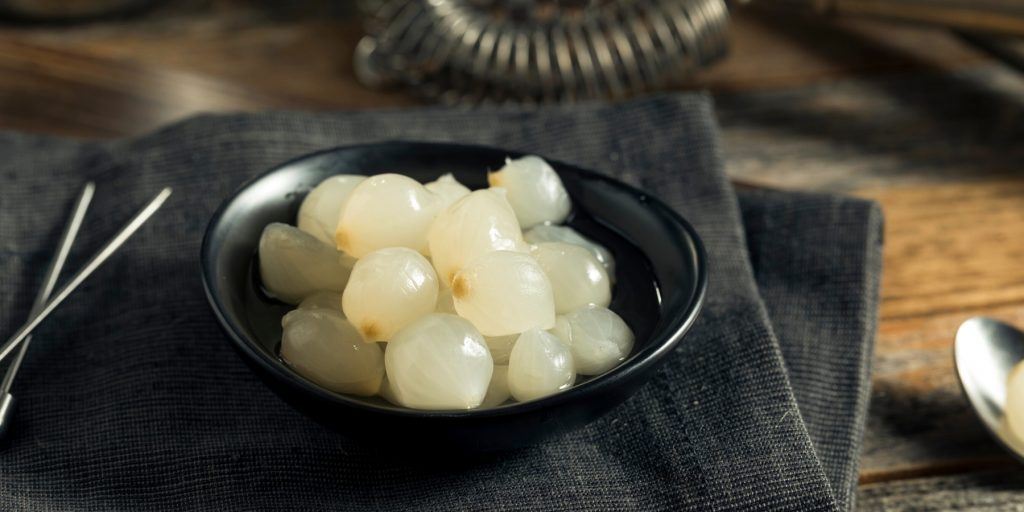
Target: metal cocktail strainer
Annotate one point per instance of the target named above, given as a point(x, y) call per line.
point(471, 51)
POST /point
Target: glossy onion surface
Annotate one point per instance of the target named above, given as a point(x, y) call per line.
point(1013, 409)
point(534, 190)
point(329, 301)
point(599, 339)
point(548, 233)
point(497, 391)
point(447, 189)
point(504, 292)
point(389, 288)
point(323, 347)
point(294, 264)
point(501, 347)
point(387, 210)
point(540, 365)
point(479, 223)
point(445, 302)
point(439, 362)
point(321, 209)
point(577, 279)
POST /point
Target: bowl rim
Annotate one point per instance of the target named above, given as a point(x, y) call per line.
point(639, 362)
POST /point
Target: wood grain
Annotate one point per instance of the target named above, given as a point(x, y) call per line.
point(989, 490)
point(1005, 16)
point(948, 176)
point(195, 56)
point(919, 423)
point(953, 250)
point(779, 48)
point(908, 116)
point(116, 78)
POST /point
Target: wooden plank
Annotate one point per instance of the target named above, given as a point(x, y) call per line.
point(1005, 16)
point(948, 178)
point(893, 130)
point(919, 423)
point(305, 62)
point(947, 174)
point(775, 48)
point(995, 490)
point(66, 93)
point(952, 248)
point(117, 78)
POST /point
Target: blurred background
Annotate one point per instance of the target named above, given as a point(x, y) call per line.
point(101, 68)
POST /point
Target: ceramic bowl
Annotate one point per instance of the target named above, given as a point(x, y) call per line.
point(661, 278)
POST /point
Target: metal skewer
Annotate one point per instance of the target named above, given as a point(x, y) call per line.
point(113, 245)
point(67, 239)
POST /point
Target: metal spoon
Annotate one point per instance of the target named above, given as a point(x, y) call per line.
point(985, 352)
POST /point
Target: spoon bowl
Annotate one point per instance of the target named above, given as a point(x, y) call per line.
point(985, 352)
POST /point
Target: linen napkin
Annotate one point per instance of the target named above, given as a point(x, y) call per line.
point(132, 399)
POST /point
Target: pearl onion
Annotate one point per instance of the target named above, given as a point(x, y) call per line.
point(497, 391)
point(387, 210)
point(447, 189)
point(389, 288)
point(329, 301)
point(534, 189)
point(294, 264)
point(1014, 407)
point(445, 302)
point(478, 223)
point(540, 365)
point(599, 339)
point(439, 362)
point(547, 233)
point(321, 209)
point(577, 279)
point(501, 347)
point(324, 348)
point(504, 292)
point(386, 391)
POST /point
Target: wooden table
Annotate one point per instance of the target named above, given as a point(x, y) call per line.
point(908, 116)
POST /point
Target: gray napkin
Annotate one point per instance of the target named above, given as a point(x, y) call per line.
point(131, 398)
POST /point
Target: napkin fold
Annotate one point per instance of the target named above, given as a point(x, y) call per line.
point(131, 398)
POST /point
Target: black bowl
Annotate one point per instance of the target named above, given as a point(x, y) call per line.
point(661, 278)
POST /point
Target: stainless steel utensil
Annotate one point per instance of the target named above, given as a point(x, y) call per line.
point(475, 51)
point(67, 239)
point(112, 246)
point(985, 352)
